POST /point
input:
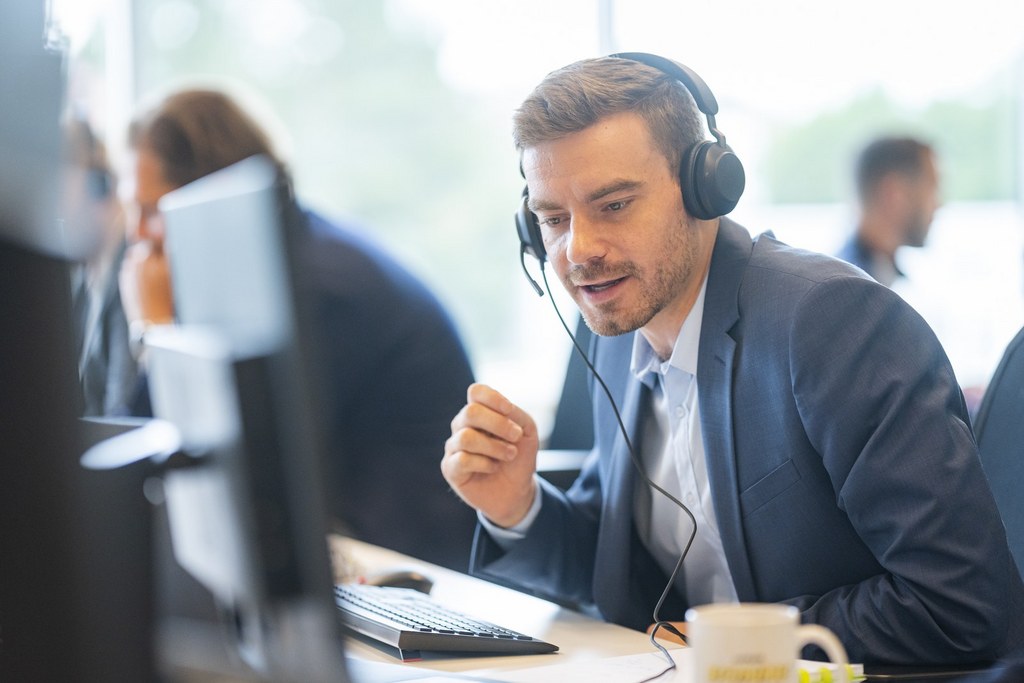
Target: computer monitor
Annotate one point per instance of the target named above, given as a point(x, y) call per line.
point(32, 90)
point(70, 606)
point(235, 376)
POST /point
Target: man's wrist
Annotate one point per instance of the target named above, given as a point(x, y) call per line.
point(519, 529)
point(513, 521)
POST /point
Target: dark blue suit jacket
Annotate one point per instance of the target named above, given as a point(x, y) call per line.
point(843, 470)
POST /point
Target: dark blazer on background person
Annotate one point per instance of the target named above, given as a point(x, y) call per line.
point(856, 252)
point(844, 474)
point(395, 371)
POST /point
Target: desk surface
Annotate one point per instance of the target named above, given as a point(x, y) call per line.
point(589, 649)
point(581, 639)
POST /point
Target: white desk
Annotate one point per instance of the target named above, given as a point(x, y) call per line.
point(589, 649)
point(584, 642)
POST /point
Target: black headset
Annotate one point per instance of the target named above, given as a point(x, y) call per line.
point(710, 175)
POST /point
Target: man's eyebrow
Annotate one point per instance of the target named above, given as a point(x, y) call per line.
point(541, 205)
point(622, 185)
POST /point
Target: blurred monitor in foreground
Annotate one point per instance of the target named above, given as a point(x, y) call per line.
point(62, 542)
point(235, 377)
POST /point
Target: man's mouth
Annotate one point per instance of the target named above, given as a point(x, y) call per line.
point(601, 286)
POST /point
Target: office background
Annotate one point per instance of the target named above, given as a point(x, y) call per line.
point(397, 113)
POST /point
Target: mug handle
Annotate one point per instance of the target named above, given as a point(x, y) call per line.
point(815, 634)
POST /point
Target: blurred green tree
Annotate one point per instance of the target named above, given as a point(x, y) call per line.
point(812, 161)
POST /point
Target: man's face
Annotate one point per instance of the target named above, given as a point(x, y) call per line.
point(150, 186)
point(614, 227)
point(924, 201)
point(146, 278)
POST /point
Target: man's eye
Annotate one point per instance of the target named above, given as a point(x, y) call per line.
point(552, 221)
point(617, 206)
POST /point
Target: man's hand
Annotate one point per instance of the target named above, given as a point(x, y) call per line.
point(491, 456)
point(145, 281)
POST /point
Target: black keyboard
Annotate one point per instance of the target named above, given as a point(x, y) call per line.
point(414, 622)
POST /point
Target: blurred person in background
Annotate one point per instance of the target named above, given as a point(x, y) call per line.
point(897, 184)
point(395, 368)
point(91, 210)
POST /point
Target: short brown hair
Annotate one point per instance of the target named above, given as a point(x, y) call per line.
point(580, 94)
point(196, 132)
point(902, 155)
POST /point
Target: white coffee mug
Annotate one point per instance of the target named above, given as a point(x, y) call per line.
point(755, 642)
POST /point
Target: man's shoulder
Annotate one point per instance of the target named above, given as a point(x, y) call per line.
point(774, 258)
point(764, 259)
point(764, 280)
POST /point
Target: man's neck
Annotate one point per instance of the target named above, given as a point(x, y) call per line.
point(663, 330)
point(877, 235)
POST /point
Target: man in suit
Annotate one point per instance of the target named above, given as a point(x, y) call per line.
point(789, 425)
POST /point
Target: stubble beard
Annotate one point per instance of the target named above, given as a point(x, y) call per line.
point(657, 290)
point(916, 232)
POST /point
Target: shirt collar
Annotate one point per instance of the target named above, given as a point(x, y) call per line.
point(645, 362)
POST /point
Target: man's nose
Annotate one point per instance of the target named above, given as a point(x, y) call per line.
point(585, 243)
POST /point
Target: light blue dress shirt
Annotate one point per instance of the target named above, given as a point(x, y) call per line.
point(674, 458)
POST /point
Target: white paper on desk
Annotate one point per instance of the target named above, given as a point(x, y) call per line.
point(631, 668)
point(624, 669)
point(381, 672)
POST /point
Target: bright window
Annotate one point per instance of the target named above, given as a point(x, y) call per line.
point(397, 114)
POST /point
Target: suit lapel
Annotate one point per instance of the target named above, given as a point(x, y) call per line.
point(618, 598)
point(714, 381)
point(618, 508)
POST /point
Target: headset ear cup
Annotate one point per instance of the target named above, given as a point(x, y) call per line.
point(529, 231)
point(724, 179)
point(712, 180)
point(690, 171)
